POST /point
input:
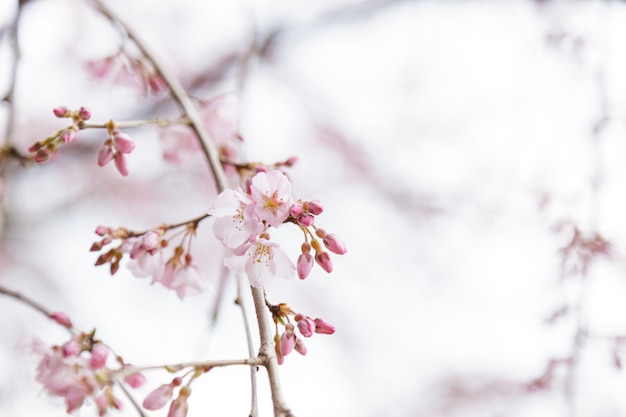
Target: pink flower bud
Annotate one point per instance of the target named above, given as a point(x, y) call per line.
point(323, 327)
point(99, 354)
point(68, 135)
point(60, 111)
point(287, 342)
point(179, 406)
point(300, 347)
point(71, 348)
point(159, 397)
point(122, 142)
point(102, 230)
point(334, 244)
point(291, 161)
point(315, 207)
point(84, 113)
point(135, 380)
point(62, 318)
point(323, 260)
point(120, 163)
point(41, 156)
point(306, 326)
point(105, 155)
point(151, 240)
point(306, 220)
point(305, 264)
point(296, 210)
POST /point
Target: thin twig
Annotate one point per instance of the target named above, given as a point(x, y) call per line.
point(254, 409)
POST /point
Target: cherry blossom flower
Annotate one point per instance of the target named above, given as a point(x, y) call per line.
point(271, 191)
point(182, 277)
point(158, 397)
point(235, 223)
point(261, 261)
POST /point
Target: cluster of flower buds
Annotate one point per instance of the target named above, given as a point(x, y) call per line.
point(147, 258)
point(243, 220)
point(77, 371)
point(288, 341)
point(303, 214)
point(115, 148)
point(160, 396)
point(45, 149)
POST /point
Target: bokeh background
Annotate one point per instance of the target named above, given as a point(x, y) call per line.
point(460, 148)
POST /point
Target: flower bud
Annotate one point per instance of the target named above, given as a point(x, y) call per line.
point(287, 342)
point(323, 260)
point(68, 135)
point(306, 220)
point(334, 244)
point(296, 210)
point(159, 397)
point(314, 207)
point(306, 326)
point(122, 142)
point(99, 354)
point(62, 318)
point(105, 155)
point(60, 111)
point(323, 327)
point(300, 347)
point(120, 163)
point(304, 265)
point(84, 113)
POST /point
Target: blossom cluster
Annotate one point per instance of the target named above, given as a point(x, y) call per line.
point(243, 220)
point(289, 341)
point(149, 258)
point(49, 146)
point(77, 371)
point(115, 147)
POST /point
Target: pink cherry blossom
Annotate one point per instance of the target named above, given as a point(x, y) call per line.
point(271, 193)
point(235, 223)
point(186, 280)
point(323, 260)
point(261, 261)
point(99, 354)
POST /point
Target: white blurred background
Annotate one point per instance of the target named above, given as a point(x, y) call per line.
point(448, 140)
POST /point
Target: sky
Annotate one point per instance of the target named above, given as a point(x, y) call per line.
point(456, 147)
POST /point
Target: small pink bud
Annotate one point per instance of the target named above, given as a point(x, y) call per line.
point(60, 111)
point(157, 83)
point(180, 406)
point(122, 142)
point(102, 230)
point(300, 347)
point(304, 265)
point(296, 210)
point(41, 156)
point(306, 326)
point(291, 161)
point(62, 318)
point(120, 163)
point(151, 240)
point(323, 260)
point(334, 244)
point(99, 354)
point(306, 220)
point(71, 348)
point(159, 397)
point(105, 155)
point(68, 135)
point(135, 380)
point(287, 342)
point(315, 207)
point(323, 327)
point(84, 113)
